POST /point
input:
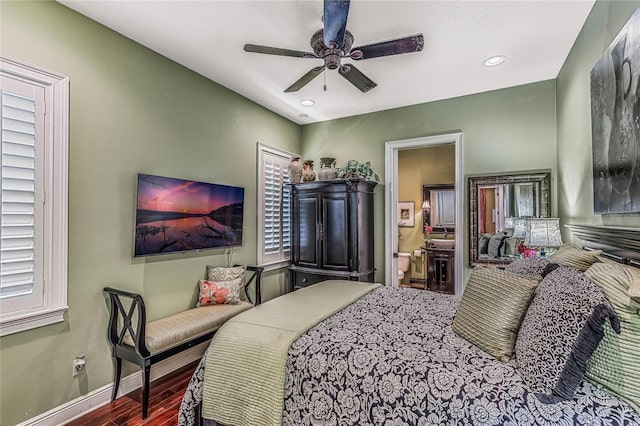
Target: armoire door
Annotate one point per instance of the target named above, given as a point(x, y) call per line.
point(335, 231)
point(306, 227)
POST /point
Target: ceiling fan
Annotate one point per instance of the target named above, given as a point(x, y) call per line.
point(333, 43)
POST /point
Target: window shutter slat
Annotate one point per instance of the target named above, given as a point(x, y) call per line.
point(17, 138)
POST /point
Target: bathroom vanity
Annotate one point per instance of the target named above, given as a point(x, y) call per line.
point(440, 269)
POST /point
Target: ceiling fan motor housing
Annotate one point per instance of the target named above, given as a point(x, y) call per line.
point(331, 54)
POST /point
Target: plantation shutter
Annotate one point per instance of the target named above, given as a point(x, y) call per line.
point(272, 198)
point(276, 207)
point(276, 204)
point(286, 213)
point(21, 216)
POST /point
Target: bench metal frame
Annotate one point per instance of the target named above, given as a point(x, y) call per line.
point(121, 321)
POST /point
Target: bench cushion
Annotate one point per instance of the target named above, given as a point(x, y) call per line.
point(179, 328)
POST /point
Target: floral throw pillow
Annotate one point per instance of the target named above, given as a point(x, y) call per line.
point(220, 292)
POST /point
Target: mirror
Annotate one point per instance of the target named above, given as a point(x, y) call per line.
point(439, 207)
point(495, 205)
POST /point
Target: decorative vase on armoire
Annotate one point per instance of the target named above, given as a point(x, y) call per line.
point(327, 169)
point(308, 175)
point(295, 170)
point(623, 150)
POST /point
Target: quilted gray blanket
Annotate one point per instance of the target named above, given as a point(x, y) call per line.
point(391, 358)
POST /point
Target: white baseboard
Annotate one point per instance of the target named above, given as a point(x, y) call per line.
point(101, 396)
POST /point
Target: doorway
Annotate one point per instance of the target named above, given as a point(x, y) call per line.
point(391, 201)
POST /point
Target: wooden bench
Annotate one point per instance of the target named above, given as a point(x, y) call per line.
point(144, 344)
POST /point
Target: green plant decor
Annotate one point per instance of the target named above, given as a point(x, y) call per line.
point(356, 170)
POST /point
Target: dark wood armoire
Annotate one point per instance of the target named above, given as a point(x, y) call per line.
point(331, 232)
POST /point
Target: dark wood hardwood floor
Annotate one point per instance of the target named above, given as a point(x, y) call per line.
point(164, 403)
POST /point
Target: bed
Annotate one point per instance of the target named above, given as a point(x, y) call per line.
point(391, 357)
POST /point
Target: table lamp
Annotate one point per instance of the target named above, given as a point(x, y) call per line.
point(543, 233)
point(520, 227)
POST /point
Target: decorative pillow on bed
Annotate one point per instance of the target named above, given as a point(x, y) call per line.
point(634, 286)
point(575, 258)
point(510, 246)
point(615, 364)
point(495, 247)
point(528, 266)
point(220, 292)
point(483, 243)
point(491, 310)
point(560, 331)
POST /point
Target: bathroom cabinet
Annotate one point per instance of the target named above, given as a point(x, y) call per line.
point(331, 232)
point(440, 270)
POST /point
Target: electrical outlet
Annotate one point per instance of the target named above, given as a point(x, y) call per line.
point(79, 365)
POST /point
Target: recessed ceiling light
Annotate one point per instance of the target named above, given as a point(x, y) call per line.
point(307, 102)
point(494, 61)
point(303, 115)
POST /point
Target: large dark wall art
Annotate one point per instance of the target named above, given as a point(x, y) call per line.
point(615, 123)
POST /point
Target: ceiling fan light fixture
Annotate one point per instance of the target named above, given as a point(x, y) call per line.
point(307, 102)
point(494, 61)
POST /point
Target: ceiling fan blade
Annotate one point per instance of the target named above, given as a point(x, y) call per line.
point(356, 78)
point(305, 79)
point(335, 21)
point(277, 51)
point(414, 43)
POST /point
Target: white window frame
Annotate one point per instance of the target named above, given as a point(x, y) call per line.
point(269, 260)
point(54, 190)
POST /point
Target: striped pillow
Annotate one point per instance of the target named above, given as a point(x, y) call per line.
point(575, 258)
point(615, 364)
point(491, 310)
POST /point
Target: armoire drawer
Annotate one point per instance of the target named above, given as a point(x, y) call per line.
point(303, 279)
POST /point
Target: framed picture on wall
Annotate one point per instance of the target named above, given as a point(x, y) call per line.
point(406, 214)
point(615, 112)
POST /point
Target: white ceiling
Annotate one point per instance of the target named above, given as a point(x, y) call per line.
point(208, 37)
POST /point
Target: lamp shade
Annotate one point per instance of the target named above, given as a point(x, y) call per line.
point(508, 223)
point(520, 227)
point(426, 204)
point(543, 232)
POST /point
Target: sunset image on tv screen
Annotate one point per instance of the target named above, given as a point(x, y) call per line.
point(175, 215)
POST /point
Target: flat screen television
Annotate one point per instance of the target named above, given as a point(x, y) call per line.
point(177, 215)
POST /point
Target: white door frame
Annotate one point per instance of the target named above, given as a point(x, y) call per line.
point(391, 201)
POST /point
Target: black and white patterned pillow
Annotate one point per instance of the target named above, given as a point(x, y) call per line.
point(496, 243)
point(560, 331)
point(528, 266)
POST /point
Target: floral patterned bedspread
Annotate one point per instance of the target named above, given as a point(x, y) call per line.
point(391, 358)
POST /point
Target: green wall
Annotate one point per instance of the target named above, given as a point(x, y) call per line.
point(505, 130)
point(575, 199)
point(132, 111)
